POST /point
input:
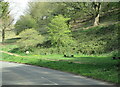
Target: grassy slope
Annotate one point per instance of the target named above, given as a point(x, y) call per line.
point(98, 40)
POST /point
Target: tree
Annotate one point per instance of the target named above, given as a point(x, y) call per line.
point(25, 22)
point(29, 38)
point(59, 32)
point(42, 13)
point(102, 7)
point(74, 10)
point(85, 10)
point(5, 18)
point(96, 6)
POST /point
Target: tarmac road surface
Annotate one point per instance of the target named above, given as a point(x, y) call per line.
point(22, 74)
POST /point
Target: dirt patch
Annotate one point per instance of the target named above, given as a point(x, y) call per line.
point(10, 53)
point(13, 54)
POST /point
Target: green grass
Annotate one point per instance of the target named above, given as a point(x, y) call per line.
point(103, 68)
point(8, 47)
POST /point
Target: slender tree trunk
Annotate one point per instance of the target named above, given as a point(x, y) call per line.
point(3, 30)
point(96, 22)
point(3, 35)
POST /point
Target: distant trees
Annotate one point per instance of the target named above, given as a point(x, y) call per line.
point(42, 14)
point(37, 17)
point(25, 22)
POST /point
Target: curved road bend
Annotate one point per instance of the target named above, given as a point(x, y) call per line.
point(21, 74)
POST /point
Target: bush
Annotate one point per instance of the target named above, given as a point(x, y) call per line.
point(29, 39)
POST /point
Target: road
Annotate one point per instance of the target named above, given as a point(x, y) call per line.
point(22, 74)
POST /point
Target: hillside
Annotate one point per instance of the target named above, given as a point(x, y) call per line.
point(97, 39)
point(100, 39)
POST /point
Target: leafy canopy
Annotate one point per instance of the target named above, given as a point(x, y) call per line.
point(4, 14)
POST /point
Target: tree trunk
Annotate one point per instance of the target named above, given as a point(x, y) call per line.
point(3, 35)
point(96, 22)
point(97, 7)
point(74, 21)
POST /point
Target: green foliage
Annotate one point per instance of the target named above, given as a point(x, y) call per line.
point(29, 39)
point(4, 9)
point(53, 50)
point(74, 10)
point(4, 15)
point(39, 9)
point(0, 9)
point(59, 31)
point(79, 11)
point(25, 22)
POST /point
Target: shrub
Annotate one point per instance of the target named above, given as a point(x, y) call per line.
point(29, 39)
